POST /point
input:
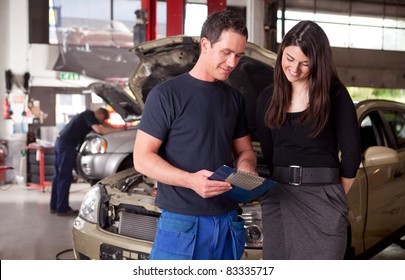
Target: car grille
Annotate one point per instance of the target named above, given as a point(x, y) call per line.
point(110, 252)
point(137, 226)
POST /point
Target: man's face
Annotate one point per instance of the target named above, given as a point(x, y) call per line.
point(222, 57)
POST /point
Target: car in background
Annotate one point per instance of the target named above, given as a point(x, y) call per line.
point(99, 155)
point(118, 216)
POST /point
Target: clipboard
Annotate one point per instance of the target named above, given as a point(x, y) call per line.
point(245, 186)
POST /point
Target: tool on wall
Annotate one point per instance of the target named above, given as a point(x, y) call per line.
point(7, 112)
point(26, 90)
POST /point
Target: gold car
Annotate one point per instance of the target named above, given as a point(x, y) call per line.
point(377, 198)
point(117, 219)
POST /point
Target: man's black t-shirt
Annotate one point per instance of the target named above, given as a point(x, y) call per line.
point(79, 126)
point(197, 122)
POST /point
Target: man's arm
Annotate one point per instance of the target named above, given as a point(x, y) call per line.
point(104, 129)
point(148, 162)
point(244, 155)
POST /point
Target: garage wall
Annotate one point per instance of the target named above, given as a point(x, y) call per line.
point(13, 49)
point(4, 7)
point(370, 68)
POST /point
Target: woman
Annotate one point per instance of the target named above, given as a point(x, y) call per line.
point(304, 121)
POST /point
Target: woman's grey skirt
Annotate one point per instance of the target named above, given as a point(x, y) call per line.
point(305, 222)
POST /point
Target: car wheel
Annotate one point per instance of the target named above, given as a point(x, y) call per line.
point(126, 163)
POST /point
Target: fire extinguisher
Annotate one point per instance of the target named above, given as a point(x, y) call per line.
point(6, 109)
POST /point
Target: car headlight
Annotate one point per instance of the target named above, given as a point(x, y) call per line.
point(90, 205)
point(95, 145)
point(252, 215)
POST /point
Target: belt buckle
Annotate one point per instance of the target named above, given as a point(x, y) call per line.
point(295, 176)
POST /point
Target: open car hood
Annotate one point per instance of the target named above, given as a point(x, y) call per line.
point(165, 58)
point(119, 99)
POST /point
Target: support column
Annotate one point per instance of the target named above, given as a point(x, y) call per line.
point(175, 17)
point(216, 6)
point(255, 21)
point(270, 35)
point(150, 7)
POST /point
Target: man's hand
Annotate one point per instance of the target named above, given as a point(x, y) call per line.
point(105, 128)
point(205, 187)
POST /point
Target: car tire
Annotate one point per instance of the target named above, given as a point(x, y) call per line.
point(126, 163)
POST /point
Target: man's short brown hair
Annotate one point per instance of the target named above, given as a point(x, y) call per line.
point(103, 112)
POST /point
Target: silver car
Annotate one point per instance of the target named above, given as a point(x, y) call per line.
point(100, 156)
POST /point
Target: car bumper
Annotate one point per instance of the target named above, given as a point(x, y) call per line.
point(98, 166)
point(91, 242)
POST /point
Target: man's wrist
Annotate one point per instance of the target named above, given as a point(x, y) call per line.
point(247, 165)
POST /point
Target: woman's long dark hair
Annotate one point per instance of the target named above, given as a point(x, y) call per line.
point(314, 43)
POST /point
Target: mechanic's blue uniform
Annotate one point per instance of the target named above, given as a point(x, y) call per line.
point(197, 122)
point(69, 138)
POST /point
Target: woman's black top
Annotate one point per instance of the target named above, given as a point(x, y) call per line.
point(292, 145)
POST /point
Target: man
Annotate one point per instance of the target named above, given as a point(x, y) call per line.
point(191, 125)
point(69, 138)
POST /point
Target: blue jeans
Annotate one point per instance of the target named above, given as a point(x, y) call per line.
point(65, 157)
point(184, 237)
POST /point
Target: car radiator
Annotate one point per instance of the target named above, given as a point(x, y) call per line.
point(137, 226)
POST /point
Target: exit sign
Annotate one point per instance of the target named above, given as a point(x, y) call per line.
point(69, 76)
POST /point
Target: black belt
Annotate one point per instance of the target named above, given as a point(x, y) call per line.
point(298, 175)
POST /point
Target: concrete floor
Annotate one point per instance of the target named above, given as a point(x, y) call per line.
point(29, 232)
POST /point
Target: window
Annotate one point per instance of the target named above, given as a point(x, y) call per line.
point(98, 22)
point(67, 106)
point(396, 122)
point(367, 134)
point(195, 17)
point(350, 31)
point(371, 132)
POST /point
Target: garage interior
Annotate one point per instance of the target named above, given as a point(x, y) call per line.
point(29, 231)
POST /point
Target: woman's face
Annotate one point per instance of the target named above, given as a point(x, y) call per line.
point(295, 64)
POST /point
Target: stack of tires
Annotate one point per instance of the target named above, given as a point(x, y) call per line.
point(33, 165)
point(3, 155)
